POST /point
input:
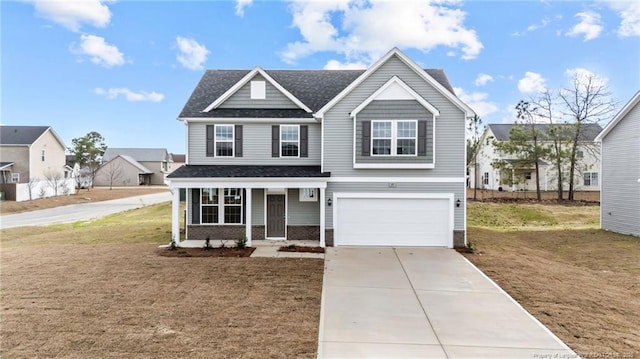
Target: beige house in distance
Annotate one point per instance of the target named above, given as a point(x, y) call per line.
point(30, 154)
point(133, 167)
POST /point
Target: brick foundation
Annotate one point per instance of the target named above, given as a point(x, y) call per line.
point(298, 233)
point(199, 232)
point(328, 237)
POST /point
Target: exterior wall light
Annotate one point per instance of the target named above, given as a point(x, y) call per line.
point(329, 202)
point(458, 203)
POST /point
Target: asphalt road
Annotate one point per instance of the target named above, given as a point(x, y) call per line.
point(80, 212)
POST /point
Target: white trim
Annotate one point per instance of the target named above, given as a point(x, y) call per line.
point(393, 165)
point(243, 120)
point(618, 117)
point(233, 140)
point(421, 72)
point(221, 206)
point(248, 207)
point(338, 195)
point(394, 139)
point(280, 141)
point(258, 90)
point(399, 179)
point(247, 78)
point(286, 217)
point(267, 182)
point(395, 80)
point(175, 216)
point(322, 146)
point(323, 222)
point(55, 135)
point(276, 190)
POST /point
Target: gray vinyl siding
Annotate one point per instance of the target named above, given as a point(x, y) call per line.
point(449, 137)
point(301, 213)
point(257, 206)
point(394, 110)
point(458, 190)
point(273, 99)
point(256, 147)
point(620, 205)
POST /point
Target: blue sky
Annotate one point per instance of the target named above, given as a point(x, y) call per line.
point(126, 68)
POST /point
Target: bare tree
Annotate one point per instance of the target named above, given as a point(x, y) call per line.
point(544, 107)
point(112, 172)
point(587, 101)
point(473, 147)
point(54, 179)
point(31, 185)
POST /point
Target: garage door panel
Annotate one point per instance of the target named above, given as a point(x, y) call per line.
point(393, 221)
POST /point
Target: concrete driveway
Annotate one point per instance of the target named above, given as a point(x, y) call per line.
point(80, 212)
point(422, 302)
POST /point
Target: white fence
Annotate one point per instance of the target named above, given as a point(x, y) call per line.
point(43, 189)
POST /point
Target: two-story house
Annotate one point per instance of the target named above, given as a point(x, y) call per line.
point(496, 170)
point(344, 157)
point(28, 155)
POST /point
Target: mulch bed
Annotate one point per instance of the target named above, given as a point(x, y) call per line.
point(208, 252)
point(302, 249)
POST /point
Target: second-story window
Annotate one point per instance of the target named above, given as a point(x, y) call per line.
point(289, 140)
point(42, 155)
point(394, 138)
point(224, 140)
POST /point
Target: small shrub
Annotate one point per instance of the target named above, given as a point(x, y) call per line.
point(241, 242)
point(173, 246)
point(207, 243)
point(42, 193)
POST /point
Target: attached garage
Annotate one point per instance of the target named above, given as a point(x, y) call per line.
point(420, 220)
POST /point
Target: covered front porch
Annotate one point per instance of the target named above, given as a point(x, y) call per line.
point(228, 209)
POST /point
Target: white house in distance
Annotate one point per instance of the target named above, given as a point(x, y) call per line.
point(133, 167)
point(620, 195)
point(587, 176)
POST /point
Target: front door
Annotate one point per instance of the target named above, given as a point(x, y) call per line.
point(276, 215)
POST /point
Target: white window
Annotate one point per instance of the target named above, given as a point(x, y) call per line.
point(15, 177)
point(579, 154)
point(308, 195)
point(215, 211)
point(394, 138)
point(209, 205)
point(224, 140)
point(258, 90)
point(289, 141)
point(590, 178)
point(485, 178)
point(42, 155)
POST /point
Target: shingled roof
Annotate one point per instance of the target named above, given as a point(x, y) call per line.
point(138, 154)
point(501, 131)
point(235, 171)
point(314, 88)
point(20, 135)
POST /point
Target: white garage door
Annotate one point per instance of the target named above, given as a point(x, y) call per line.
point(393, 222)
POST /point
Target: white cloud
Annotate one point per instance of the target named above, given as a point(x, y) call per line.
point(531, 82)
point(364, 30)
point(129, 95)
point(241, 5)
point(477, 101)
point(483, 79)
point(100, 51)
point(73, 13)
point(590, 25)
point(337, 65)
point(584, 76)
point(191, 54)
point(629, 12)
point(533, 27)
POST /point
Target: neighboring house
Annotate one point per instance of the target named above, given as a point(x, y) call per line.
point(133, 167)
point(620, 194)
point(177, 161)
point(344, 157)
point(28, 155)
point(516, 177)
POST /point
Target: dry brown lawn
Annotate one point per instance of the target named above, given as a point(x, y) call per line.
point(100, 289)
point(583, 284)
point(586, 196)
point(127, 301)
point(82, 196)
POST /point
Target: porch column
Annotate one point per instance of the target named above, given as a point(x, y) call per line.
point(322, 215)
point(248, 215)
point(175, 216)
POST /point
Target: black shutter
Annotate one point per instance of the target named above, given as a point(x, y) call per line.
point(304, 140)
point(422, 138)
point(238, 139)
point(195, 205)
point(275, 141)
point(211, 146)
point(366, 138)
